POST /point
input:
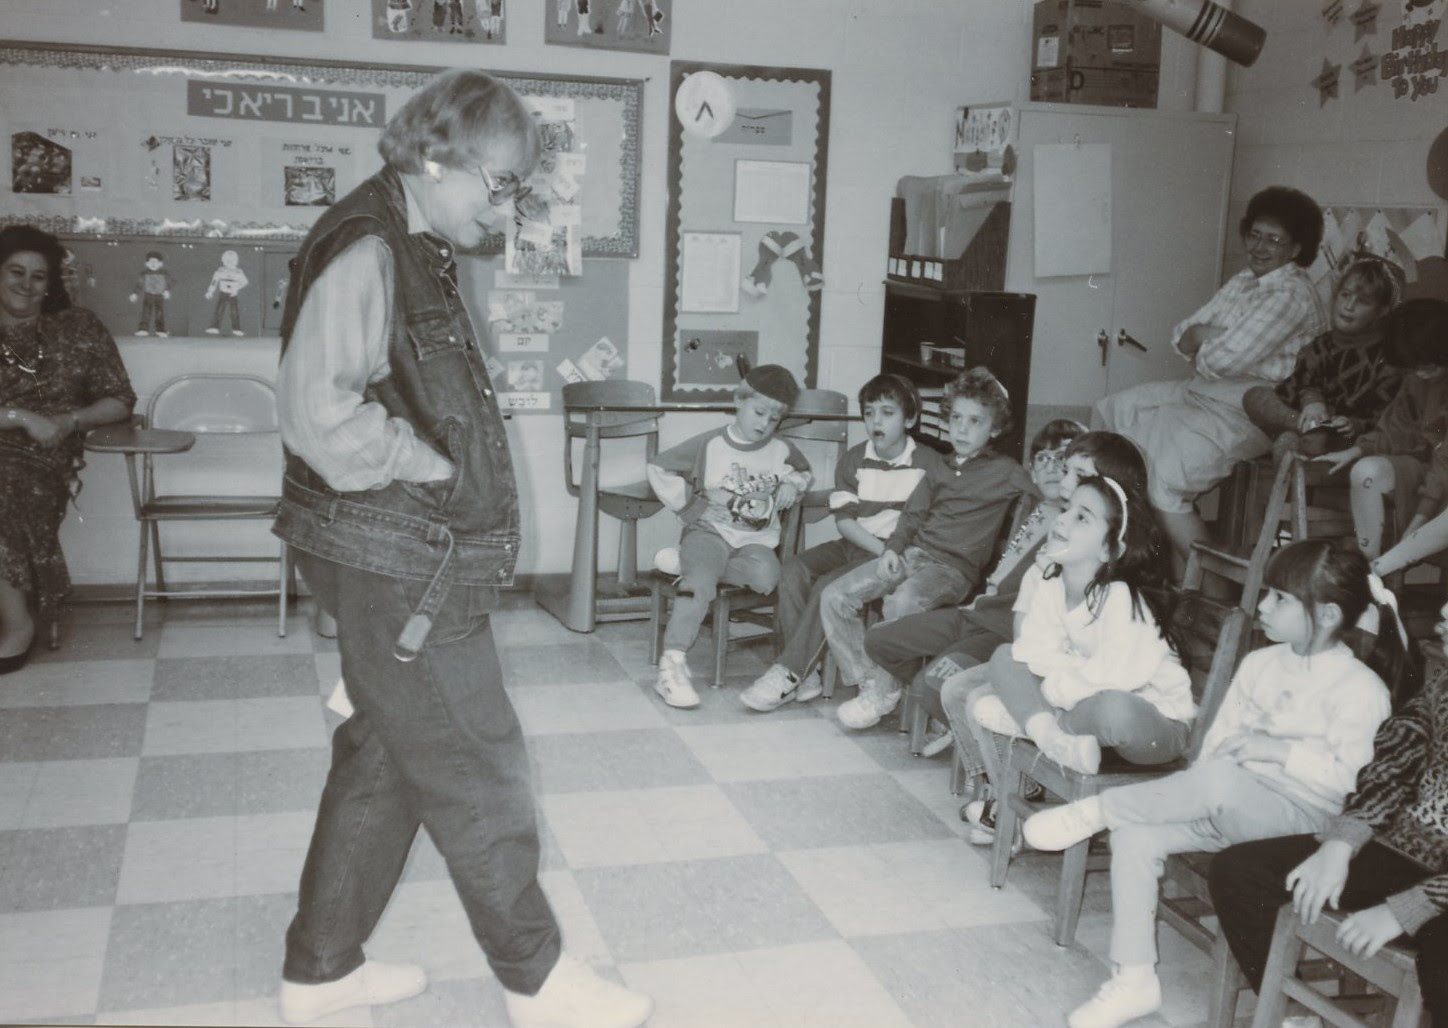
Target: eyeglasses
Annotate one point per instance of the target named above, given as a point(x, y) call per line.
point(1255, 238)
point(503, 188)
point(1049, 460)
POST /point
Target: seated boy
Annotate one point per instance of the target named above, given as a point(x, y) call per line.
point(728, 486)
point(938, 550)
point(872, 482)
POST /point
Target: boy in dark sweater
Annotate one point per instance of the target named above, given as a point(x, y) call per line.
point(1384, 857)
point(937, 553)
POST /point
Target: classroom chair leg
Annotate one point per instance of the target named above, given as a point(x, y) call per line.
point(1226, 983)
point(1070, 891)
point(1282, 961)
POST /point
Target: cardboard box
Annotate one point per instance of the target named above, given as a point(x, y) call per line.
point(1094, 52)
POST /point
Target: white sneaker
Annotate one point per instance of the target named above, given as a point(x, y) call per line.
point(770, 690)
point(372, 984)
point(1302, 1021)
point(573, 996)
point(674, 683)
point(937, 738)
point(866, 709)
point(811, 687)
point(982, 817)
point(1062, 827)
point(1075, 752)
point(1124, 997)
point(991, 714)
point(667, 560)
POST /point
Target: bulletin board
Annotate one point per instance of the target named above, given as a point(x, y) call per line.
point(169, 144)
point(745, 227)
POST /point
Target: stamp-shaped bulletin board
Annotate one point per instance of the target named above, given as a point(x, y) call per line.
point(745, 231)
point(170, 144)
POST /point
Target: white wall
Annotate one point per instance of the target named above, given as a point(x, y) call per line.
point(1361, 147)
point(899, 70)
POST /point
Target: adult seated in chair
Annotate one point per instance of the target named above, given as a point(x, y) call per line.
point(60, 374)
point(1195, 430)
point(1385, 857)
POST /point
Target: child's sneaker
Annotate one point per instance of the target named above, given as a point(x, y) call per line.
point(770, 690)
point(573, 996)
point(667, 560)
point(674, 683)
point(982, 817)
point(372, 984)
point(937, 739)
point(811, 687)
point(1062, 827)
point(866, 709)
point(1127, 995)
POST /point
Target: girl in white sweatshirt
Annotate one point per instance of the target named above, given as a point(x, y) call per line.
point(1282, 754)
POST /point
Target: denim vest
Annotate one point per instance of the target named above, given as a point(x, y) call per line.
point(463, 530)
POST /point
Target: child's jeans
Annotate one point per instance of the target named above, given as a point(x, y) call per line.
point(981, 750)
point(1209, 806)
point(802, 583)
point(1118, 719)
point(923, 583)
point(706, 560)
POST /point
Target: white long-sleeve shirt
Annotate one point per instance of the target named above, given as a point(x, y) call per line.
point(1327, 706)
point(1079, 653)
point(339, 345)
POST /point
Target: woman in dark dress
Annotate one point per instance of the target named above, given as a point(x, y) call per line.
point(60, 375)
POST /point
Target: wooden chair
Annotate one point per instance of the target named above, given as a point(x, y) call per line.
point(1392, 971)
point(823, 443)
point(631, 502)
point(732, 603)
point(1216, 637)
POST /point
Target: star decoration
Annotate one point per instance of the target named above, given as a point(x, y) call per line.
point(1365, 69)
point(1326, 82)
point(1365, 20)
point(1332, 12)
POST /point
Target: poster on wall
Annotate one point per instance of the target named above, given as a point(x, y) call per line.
point(638, 25)
point(440, 21)
point(303, 15)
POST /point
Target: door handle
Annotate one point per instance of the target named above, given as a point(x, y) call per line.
point(1124, 338)
point(1103, 341)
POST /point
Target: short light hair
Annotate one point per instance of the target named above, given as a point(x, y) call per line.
point(453, 119)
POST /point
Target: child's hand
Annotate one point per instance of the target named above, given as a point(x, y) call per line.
point(1340, 459)
point(1312, 415)
point(1243, 748)
point(1368, 931)
point(1319, 879)
point(785, 495)
point(888, 566)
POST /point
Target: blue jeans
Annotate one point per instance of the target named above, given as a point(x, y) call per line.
point(433, 743)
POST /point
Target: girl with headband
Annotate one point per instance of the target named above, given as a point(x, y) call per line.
point(1280, 757)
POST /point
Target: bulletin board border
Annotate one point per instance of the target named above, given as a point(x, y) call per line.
point(627, 92)
point(678, 71)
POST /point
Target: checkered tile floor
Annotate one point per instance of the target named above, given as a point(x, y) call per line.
point(156, 799)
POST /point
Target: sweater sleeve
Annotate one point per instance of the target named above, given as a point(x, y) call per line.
point(1232, 714)
point(845, 498)
point(1389, 781)
point(1304, 385)
point(1433, 494)
point(676, 476)
point(914, 512)
point(1129, 656)
point(1399, 429)
point(799, 474)
point(1042, 644)
point(1328, 764)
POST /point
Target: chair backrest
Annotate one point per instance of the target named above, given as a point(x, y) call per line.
point(214, 402)
point(238, 449)
point(612, 424)
point(1214, 638)
point(822, 442)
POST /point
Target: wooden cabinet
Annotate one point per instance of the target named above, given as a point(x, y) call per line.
point(994, 329)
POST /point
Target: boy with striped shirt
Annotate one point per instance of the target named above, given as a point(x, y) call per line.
point(872, 482)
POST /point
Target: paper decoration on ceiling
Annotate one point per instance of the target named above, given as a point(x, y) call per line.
point(787, 246)
point(1326, 81)
point(1332, 12)
point(704, 104)
point(1365, 69)
point(1365, 20)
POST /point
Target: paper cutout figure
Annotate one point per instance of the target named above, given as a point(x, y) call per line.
point(786, 246)
point(226, 283)
point(153, 289)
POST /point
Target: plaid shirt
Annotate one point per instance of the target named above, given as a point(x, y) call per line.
point(1266, 321)
point(326, 418)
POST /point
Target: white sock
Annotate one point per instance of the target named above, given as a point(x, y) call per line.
point(1138, 974)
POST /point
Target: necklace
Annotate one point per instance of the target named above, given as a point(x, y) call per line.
point(32, 368)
